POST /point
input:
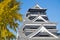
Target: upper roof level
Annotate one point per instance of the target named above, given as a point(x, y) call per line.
point(36, 8)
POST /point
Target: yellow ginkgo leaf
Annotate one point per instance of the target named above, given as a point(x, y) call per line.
point(8, 16)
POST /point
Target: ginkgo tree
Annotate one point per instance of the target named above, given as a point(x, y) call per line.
point(8, 16)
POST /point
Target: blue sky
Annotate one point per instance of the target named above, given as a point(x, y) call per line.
point(53, 9)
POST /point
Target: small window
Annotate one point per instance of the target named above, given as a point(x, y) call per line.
point(32, 17)
point(27, 33)
point(39, 20)
point(50, 27)
point(31, 27)
point(42, 13)
point(33, 12)
point(42, 35)
point(46, 18)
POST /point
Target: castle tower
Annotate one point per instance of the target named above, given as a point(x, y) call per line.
point(36, 26)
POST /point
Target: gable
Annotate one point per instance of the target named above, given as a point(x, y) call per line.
point(41, 29)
